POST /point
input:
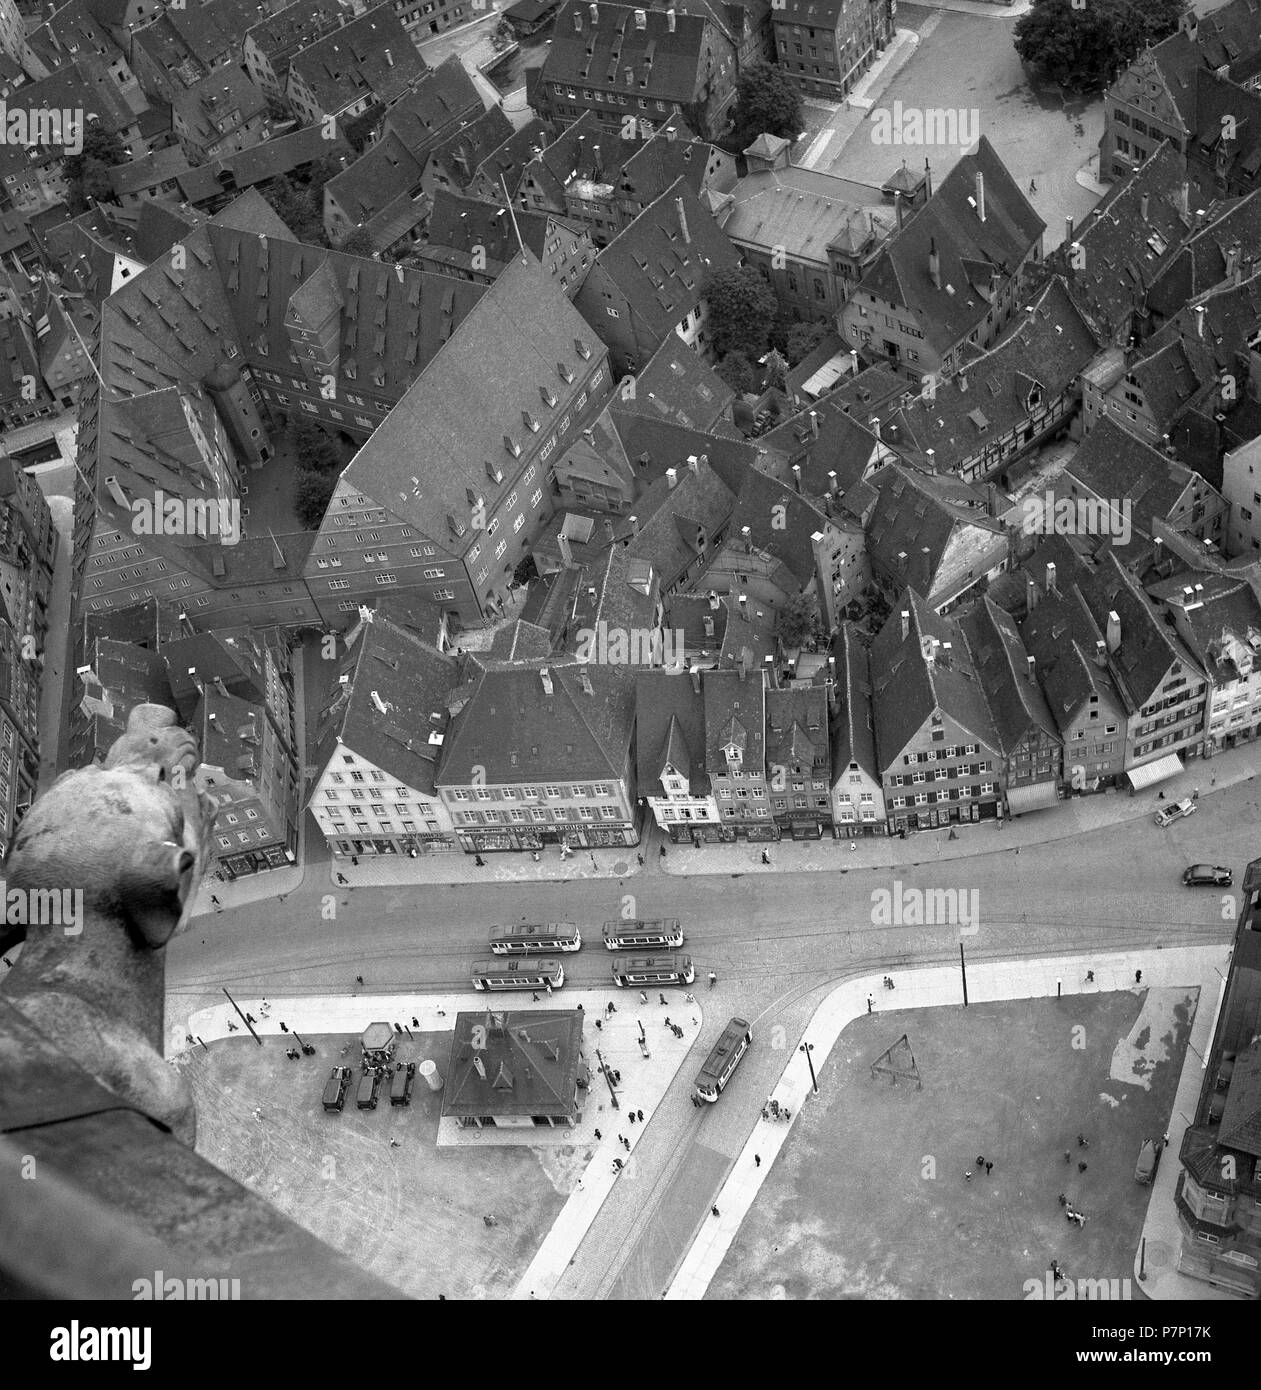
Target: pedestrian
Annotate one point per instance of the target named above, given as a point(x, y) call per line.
point(599, 1025)
point(479, 861)
point(775, 1108)
point(534, 854)
point(1165, 1140)
point(967, 1176)
point(617, 1078)
point(1068, 1157)
point(1160, 796)
point(535, 998)
point(980, 1161)
point(1081, 1167)
point(598, 1135)
point(358, 979)
point(354, 859)
point(661, 999)
point(640, 857)
point(766, 858)
point(249, 1018)
point(643, 998)
point(989, 1168)
point(612, 1007)
point(669, 1024)
point(1090, 977)
point(663, 851)
point(415, 1022)
point(626, 1145)
point(785, 1115)
point(678, 1032)
point(1033, 185)
point(1063, 1200)
point(632, 1117)
point(713, 1211)
point(1083, 1142)
point(581, 1185)
point(394, 1143)
point(1138, 977)
point(547, 985)
point(713, 979)
point(640, 1113)
point(757, 1160)
point(232, 1028)
point(869, 1003)
point(621, 1139)
point(341, 878)
point(214, 900)
point(766, 1114)
point(617, 1166)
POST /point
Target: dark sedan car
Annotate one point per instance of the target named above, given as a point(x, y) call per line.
point(1207, 876)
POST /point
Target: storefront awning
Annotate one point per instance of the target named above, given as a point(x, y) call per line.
point(1033, 798)
point(1161, 770)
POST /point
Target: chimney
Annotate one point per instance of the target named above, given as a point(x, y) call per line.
point(670, 20)
point(678, 203)
point(1101, 654)
point(906, 624)
point(586, 680)
point(715, 603)
point(928, 180)
point(566, 551)
point(634, 524)
point(672, 476)
point(1033, 669)
point(832, 483)
point(389, 58)
point(597, 164)
point(594, 12)
point(897, 202)
point(980, 195)
point(934, 263)
point(874, 425)
point(797, 476)
point(479, 1066)
point(641, 19)
point(1234, 263)
point(1031, 594)
point(1144, 203)
point(1114, 631)
point(1068, 229)
point(546, 677)
point(578, 21)
point(694, 463)
point(746, 661)
point(814, 423)
point(1199, 320)
point(1050, 578)
point(696, 681)
point(1184, 200)
point(707, 625)
point(1158, 550)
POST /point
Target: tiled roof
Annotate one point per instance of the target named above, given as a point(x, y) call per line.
point(352, 62)
point(660, 269)
point(652, 445)
point(154, 168)
point(530, 1063)
point(670, 727)
point(461, 153)
point(457, 224)
point(780, 523)
point(287, 30)
point(444, 94)
point(1230, 242)
point(282, 155)
point(673, 522)
point(805, 212)
point(392, 709)
point(688, 613)
point(1000, 661)
point(226, 95)
point(844, 445)
point(618, 591)
point(514, 730)
point(909, 686)
point(1038, 360)
point(1222, 617)
point(917, 519)
point(797, 729)
point(967, 248)
point(426, 455)
point(854, 729)
point(84, 82)
point(676, 385)
point(375, 179)
point(735, 712)
point(672, 62)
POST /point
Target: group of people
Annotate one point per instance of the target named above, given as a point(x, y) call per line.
point(773, 1110)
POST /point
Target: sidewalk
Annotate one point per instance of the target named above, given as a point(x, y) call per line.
point(1088, 176)
point(997, 11)
point(512, 866)
point(883, 70)
point(1199, 967)
point(1075, 816)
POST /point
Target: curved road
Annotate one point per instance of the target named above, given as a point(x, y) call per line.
point(778, 942)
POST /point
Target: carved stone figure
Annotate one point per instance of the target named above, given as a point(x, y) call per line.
point(131, 836)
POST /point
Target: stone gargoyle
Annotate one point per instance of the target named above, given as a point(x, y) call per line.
point(132, 835)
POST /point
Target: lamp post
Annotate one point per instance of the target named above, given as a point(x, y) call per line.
point(244, 1019)
point(608, 1079)
point(808, 1048)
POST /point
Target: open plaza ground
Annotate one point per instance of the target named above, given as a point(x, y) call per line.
point(413, 1214)
point(868, 1198)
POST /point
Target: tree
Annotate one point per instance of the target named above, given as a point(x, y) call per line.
point(767, 102)
point(1082, 48)
point(525, 571)
point(796, 622)
point(742, 307)
point(311, 495)
point(802, 339)
point(87, 173)
point(298, 208)
point(358, 241)
point(313, 448)
point(737, 371)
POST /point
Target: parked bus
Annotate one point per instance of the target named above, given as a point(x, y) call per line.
point(518, 974)
point(654, 970)
point(639, 935)
point(534, 936)
point(723, 1060)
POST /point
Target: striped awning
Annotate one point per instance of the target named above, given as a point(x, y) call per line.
point(1032, 798)
point(1160, 770)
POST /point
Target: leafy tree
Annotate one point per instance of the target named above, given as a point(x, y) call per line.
point(1082, 49)
point(802, 339)
point(313, 448)
point(525, 571)
point(737, 371)
point(796, 622)
point(767, 102)
point(311, 495)
point(742, 307)
point(358, 242)
point(87, 173)
point(298, 207)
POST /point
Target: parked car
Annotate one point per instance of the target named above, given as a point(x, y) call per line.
point(1207, 876)
point(367, 1096)
point(1148, 1161)
point(335, 1089)
point(1168, 814)
point(401, 1083)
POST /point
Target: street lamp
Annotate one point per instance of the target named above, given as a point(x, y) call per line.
point(808, 1048)
point(608, 1079)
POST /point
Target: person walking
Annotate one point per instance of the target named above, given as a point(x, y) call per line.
point(643, 998)
point(663, 851)
point(341, 878)
point(1138, 977)
point(598, 1135)
point(967, 1176)
point(1033, 185)
point(640, 1113)
point(1081, 1167)
point(358, 979)
point(757, 1160)
point(869, 1003)
point(415, 1022)
point(640, 857)
point(1083, 1142)
point(479, 861)
point(354, 859)
point(980, 1161)
point(713, 1211)
point(989, 1168)
point(661, 999)
point(632, 1117)
point(214, 900)
point(766, 858)
point(713, 979)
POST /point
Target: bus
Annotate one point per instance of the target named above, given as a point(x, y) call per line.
point(723, 1060)
point(534, 936)
point(654, 970)
point(638, 935)
point(518, 974)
